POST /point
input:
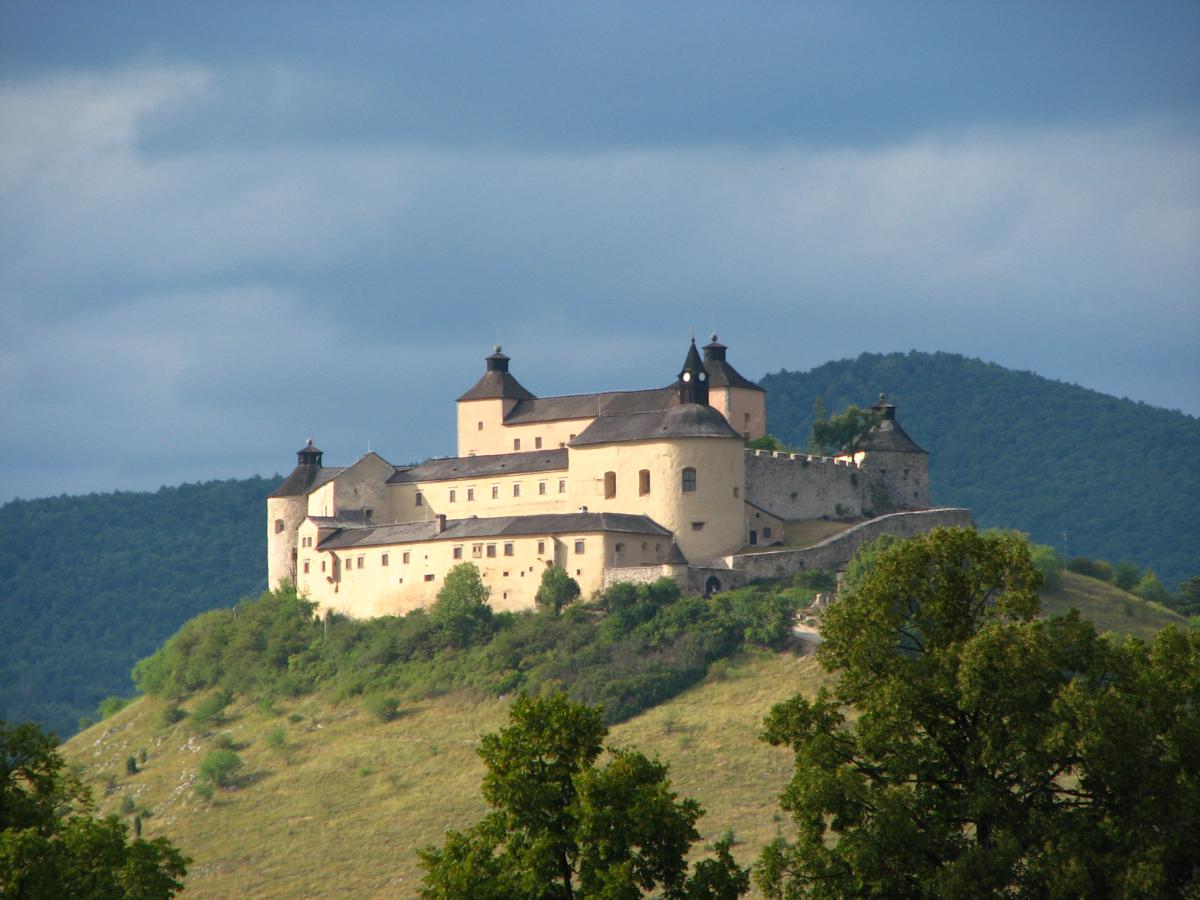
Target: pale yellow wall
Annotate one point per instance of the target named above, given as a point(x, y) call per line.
point(375, 589)
point(321, 502)
point(435, 497)
point(281, 544)
point(746, 411)
point(496, 437)
point(758, 520)
point(718, 501)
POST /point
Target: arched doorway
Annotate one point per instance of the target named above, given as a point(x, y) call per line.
point(712, 586)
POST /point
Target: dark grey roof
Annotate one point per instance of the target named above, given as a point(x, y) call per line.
point(686, 420)
point(343, 519)
point(305, 479)
point(498, 527)
point(483, 466)
point(495, 384)
point(722, 374)
point(588, 406)
point(675, 556)
point(886, 435)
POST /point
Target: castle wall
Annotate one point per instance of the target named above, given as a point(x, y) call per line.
point(496, 437)
point(764, 528)
point(363, 486)
point(716, 505)
point(520, 494)
point(284, 517)
point(835, 552)
point(797, 486)
point(895, 481)
point(746, 411)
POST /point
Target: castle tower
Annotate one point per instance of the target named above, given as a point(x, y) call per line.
point(897, 469)
point(482, 409)
point(742, 402)
point(692, 385)
point(287, 508)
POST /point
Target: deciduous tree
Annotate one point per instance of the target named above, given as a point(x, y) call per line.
point(461, 612)
point(556, 590)
point(993, 753)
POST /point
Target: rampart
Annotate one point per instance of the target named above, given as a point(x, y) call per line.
point(798, 486)
point(836, 551)
point(693, 580)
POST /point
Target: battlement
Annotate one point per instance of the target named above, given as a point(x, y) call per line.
point(806, 458)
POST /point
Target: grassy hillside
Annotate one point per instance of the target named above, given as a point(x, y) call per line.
point(332, 802)
point(1026, 452)
point(90, 585)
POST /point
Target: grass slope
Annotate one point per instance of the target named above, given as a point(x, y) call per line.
point(340, 808)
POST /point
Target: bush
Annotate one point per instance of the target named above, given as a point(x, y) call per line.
point(381, 706)
point(218, 767)
point(1150, 588)
point(173, 713)
point(1092, 568)
point(460, 613)
point(209, 709)
point(111, 705)
point(556, 590)
point(131, 766)
point(276, 738)
point(1048, 562)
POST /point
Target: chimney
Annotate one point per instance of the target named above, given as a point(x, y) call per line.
point(439, 523)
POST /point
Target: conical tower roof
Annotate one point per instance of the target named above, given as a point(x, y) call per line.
point(496, 382)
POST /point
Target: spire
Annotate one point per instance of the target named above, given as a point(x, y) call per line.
point(693, 379)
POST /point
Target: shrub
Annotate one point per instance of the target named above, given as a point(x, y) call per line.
point(556, 590)
point(1048, 562)
point(1092, 568)
point(461, 613)
point(131, 766)
point(381, 706)
point(218, 767)
point(209, 709)
point(173, 713)
point(110, 705)
point(276, 738)
point(1150, 588)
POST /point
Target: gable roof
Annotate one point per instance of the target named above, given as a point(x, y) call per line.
point(306, 479)
point(452, 467)
point(685, 420)
point(588, 406)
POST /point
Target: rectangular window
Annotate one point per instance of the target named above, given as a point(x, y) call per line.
point(322, 565)
point(404, 558)
point(453, 495)
point(279, 526)
point(537, 443)
point(495, 492)
point(697, 526)
point(517, 489)
point(579, 547)
point(541, 487)
point(418, 500)
point(491, 551)
point(458, 552)
point(541, 548)
point(736, 492)
point(516, 443)
point(562, 485)
point(306, 567)
point(643, 482)
point(479, 426)
point(508, 549)
point(429, 577)
point(610, 485)
point(383, 560)
point(470, 494)
point(361, 561)
point(766, 531)
point(476, 551)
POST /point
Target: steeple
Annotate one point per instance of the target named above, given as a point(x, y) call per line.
point(693, 379)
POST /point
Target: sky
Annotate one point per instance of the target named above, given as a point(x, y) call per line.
point(227, 227)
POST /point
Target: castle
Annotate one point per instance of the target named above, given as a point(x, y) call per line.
point(624, 485)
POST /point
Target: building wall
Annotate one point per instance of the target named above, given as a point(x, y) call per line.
point(356, 581)
point(436, 497)
point(284, 518)
point(797, 486)
point(896, 481)
point(496, 437)
point(767, 528)
point(363, 486)
point(746, 411)
point(717, 501)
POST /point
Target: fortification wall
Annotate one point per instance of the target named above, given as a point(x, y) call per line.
point(692, 580)
point(835, 552)
point(797, 486)
point(895, 481)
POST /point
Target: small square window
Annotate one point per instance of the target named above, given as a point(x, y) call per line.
point(537, 443)
point(766, 531)
point(505, 574)
point(476, 551)
point(306, 567)
point(479, 426)
point(361, 561)
point(579, 547)
point(404, 558)
point(491, 551)
point(697, 526)
point(279, 526)
point(737, 492)
point(562, 485)
point(508, 549)
point(458, 552)
point(578, 572)
point(541, 487)
point(541, 547)
point(383, 560)
point(429, 577)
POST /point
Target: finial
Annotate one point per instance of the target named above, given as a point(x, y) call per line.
point(713, 337)
point(496, 349)
point(882, 395)
point(308, 442)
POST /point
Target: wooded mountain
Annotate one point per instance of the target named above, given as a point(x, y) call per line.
point(90, 585)
point(1122, 479)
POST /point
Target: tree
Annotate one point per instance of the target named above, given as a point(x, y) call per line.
point(1125, 575)
point(50, 845)
point(1187, 600)
point(993, 752)
point(1150, 588)
point(461, 612)
point(834, 435)
point(562, 827)
point(556, 590)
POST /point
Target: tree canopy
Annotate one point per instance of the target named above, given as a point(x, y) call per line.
point(50, 845)
point(832, 435)
point(556, 590)
point(993, 752)
point(562, 827)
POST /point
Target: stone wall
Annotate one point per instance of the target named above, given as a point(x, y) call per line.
point(693, 580)
point(835, 552)
point(796, 486)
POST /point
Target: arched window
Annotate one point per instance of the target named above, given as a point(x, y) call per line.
point(643, 482)
point(610, 485)
point(689, 480)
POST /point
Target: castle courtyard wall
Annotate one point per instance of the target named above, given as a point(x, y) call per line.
point(799, 486)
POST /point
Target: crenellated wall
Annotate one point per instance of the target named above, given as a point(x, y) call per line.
point(797, 486)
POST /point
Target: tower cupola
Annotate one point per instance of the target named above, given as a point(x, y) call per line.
point(497, 362)
point(308, 455)
point(884, 407)
point(714, 349)
point(693, 379)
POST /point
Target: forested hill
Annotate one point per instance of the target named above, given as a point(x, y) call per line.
point(89, 585)
point(1122, 479)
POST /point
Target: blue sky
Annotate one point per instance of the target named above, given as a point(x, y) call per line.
point(224, 227)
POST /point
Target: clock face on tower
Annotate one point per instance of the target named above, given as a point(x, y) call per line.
point(687, 376)
point(701, 376)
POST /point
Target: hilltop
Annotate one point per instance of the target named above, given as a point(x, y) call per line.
point(1022, 451)
point(326, 782)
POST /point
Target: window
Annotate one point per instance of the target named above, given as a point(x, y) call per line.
point(537, 443)
point(491, 551)
point(767, 531)
point(458, 552)
point(279, 526)
point(619, 547)
point(562, 485)
point(362, 561)
point(470, 494)
point(453, 495)
point(479, 426)
point(610, 485)
point(516, 443)
point(383, 560)
point(747, 420)
point(541, 487)
point(429, 577)
point(418, 500)
point(737, 492)
point(508, 549)
point(697, 526)
point(571, 437)
point(541, 548)
point(306, 567)
point(495, 492)
point(689, 480)
point(644, 546)
point(579, 547)
point(322, 565)
point(517, 489)
point(643, 482)
point(404, 557)
point(476, 551)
